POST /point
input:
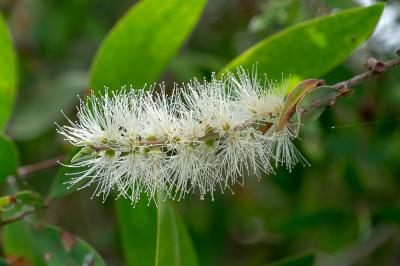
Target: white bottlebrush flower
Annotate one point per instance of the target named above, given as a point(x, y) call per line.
point(98, 169)
point(139, 173)
point(262, 100)
point(204, 136)
point(213, 104)
point(282, 146)
point(192, 165)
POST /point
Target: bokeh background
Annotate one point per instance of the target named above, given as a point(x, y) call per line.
point(345, 206)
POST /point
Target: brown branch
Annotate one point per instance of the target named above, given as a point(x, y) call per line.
point(374, 67)
point(40, 166)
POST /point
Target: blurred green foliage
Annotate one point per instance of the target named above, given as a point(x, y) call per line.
point(8, 158)
point(345, 209)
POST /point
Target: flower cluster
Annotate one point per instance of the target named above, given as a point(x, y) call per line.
point(202, 137)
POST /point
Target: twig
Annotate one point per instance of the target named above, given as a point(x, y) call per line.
point(374, 67)
point(40, 166)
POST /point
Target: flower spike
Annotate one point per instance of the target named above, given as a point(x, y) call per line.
point(206, 136)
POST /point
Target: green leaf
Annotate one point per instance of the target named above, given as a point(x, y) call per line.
point(161, 237)
point(303, 260)
point(46, 245)
point(174, 246)
point(139, 221)
point(314, 103)
point(8, 158)
point(8, 74)
point(313, 48)
point(293, 99)
point(140, 45)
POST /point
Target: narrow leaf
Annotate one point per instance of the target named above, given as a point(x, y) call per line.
point(174, 246)
point(314, 103)
point(140, 222)
point(140, 45)
point(313, 48)
point(293, 99)
point(161, 237)
point(8, 74)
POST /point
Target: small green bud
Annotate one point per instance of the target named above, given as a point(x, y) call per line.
point(87, 150)
point(110, 153)
point(176, 139)
point(84, 143)
point(210, 129)
point(192, 145)
point(209, 142)
point(145, 150)
point(226, 127)
point(83, 152)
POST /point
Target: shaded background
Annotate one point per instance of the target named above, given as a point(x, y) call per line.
point(347, 204)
